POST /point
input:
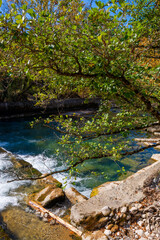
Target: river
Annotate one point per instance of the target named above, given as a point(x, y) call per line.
point(38, 146)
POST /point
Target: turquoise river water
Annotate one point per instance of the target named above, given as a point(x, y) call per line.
point(38, 146)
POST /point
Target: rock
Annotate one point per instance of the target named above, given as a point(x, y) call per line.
point(49, 180)
point(74, 196)
point(27, 226)
point(146, 233)
point(137, 205)
point(133, 210)
point(105, 211)
point(107, 232)
point(38, 214)
point(109, 226)
point(27, 209)
point(128, 217)
point(101, 188)
point(45, 219)
point(139, 232)
point(52, 222)
point(114, 228)
point(140, 223)
point(123, 210)
point(153, 129)
point(115, 195)
point(157, 134)
point(49, 196)
point(101, 222)
point(144, 216)
point(46, 214)
point(97, 235)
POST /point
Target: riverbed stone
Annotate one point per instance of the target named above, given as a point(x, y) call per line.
point(27, 226)
point(115, 195)
point(74, 196)
point(49, 196)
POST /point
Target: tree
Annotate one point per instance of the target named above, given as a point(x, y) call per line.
point(112, 50)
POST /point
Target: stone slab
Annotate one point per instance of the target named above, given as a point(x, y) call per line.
point(115, 195)
point(74, 196)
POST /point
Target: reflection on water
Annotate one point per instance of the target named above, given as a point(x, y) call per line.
point(38, 146)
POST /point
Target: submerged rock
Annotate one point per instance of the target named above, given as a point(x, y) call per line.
point(27, 226)
point(49, 180)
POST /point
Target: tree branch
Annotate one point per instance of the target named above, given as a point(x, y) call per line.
point(129, 153)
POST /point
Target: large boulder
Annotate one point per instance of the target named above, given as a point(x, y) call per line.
point(114, 196)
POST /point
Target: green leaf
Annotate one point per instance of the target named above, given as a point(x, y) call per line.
point(80, 9)
point(99, 38)
point(74, 27)
point(18, 17)
point(13, 6)
point(31, 12)
point(0, 3)
point(19, 21)
point(24, 6)
point(99, 4)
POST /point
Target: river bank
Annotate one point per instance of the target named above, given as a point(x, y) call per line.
point(9, 110)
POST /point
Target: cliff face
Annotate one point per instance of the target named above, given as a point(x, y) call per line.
point(28, 108)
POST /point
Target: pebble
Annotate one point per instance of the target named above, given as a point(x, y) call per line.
point(147, 234)
point(138, 205)
point(46, 215)
point(52, 222)
point(38, 214)
point(27, 210)
point(133, 210)
point(115, 228)
point(109, 226)
point(105, 211)
point(140, 223)
point(123, 210)
point(128, 217)
point(107, 232)
point(45, 219)
point(139, 232)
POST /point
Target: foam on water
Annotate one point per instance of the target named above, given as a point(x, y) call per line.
point(6, 197)
point(41, 162)
point(48, 164)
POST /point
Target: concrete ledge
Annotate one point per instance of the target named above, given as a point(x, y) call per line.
point(114, 195)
